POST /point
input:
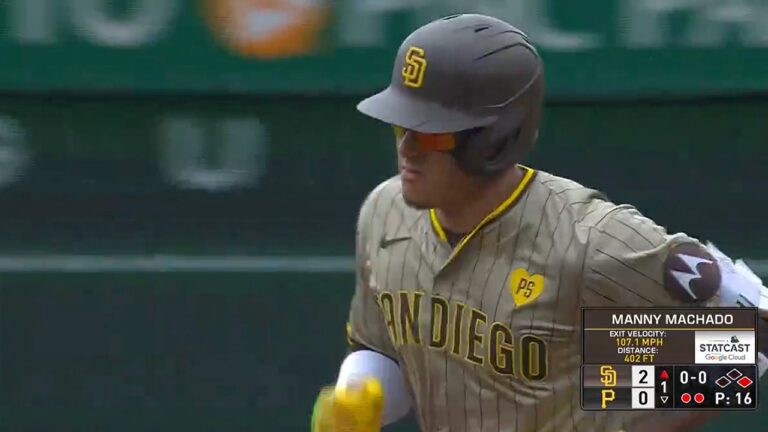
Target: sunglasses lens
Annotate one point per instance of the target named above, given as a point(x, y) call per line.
point(429, 142)
point(436, 142)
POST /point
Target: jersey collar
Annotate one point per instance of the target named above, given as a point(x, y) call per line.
point(506, 204)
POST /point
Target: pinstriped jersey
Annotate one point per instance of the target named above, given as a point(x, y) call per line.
point(487, 332)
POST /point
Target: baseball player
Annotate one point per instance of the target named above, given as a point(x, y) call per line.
point(472, 268)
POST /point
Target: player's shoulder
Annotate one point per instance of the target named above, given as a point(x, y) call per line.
point(568, 197)
point(607, 224)
point(381, 199)
point(593, 212)
point(384, 194)
point(388, 188)
point(632, 256)
point(591, 206)
point(563, 187)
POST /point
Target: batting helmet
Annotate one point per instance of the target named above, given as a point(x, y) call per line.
point(472, 75)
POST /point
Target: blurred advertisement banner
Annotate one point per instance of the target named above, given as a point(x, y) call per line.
point(267, 28)
point(615, 48)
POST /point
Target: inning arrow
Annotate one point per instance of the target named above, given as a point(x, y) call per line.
point(664, 399)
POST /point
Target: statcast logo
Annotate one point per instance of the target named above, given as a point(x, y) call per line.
point(726, 350)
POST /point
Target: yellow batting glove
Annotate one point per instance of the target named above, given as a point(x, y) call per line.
point(356, 409)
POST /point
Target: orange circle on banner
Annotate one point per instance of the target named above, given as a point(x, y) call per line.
point(267, 28)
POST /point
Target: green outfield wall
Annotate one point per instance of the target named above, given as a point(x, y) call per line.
point(286, 175)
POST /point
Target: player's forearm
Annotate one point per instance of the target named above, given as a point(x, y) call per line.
point(366, 363)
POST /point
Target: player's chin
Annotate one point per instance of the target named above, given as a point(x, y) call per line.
point(416, 200)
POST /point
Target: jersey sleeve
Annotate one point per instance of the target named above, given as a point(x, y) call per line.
point(632, 262)
point(366, 328)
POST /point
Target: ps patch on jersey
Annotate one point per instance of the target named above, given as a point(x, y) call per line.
point(525, 287)
point(691, 274)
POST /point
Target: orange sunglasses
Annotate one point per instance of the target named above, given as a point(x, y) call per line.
point(428, 141)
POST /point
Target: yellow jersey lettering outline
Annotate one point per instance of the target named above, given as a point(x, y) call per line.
point(429, 320)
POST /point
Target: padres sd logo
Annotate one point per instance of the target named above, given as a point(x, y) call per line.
point(267, 28)
point(415, 66)
point(525, 287)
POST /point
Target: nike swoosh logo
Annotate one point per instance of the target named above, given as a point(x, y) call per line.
point(385, 242)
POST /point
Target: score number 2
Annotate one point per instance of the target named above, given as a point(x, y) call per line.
point(643, 376)
point(644, 380)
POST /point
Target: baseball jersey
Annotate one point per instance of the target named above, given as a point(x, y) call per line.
point(487, 332)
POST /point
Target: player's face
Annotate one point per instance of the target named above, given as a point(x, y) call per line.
point(430, 175)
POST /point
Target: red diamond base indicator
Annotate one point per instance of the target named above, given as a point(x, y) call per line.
point(744, 382)
point(699, 398)
point(685, 397)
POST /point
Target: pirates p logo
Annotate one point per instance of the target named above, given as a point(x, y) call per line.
point(525, 287)
point(415, 66)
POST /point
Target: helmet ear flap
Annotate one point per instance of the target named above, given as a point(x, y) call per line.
point(486, 151)
point(494, 148)
point(503, 153)
point(471, 147)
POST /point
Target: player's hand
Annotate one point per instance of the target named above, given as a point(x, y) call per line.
point(355, 409)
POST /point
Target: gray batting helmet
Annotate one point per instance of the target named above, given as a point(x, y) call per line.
point(472, 75)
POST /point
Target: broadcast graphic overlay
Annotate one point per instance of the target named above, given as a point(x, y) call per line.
point(669, 359)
